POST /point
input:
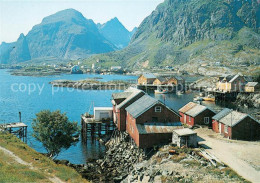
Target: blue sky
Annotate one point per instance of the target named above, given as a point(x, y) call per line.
point(19, 16)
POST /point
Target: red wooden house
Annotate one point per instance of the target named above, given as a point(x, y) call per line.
point(149, 122)
point(120, 102)
point(196, 114)
point(236, 125)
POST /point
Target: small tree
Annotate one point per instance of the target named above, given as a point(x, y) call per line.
point(54, 131)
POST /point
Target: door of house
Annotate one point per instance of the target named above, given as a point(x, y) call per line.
point(184, 118)
point(219, 128)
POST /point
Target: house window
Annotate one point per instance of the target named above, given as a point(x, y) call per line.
point(206, 120)
point(226, 129)
point(158, 109)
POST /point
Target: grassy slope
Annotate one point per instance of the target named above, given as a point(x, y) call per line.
point(11, 171)
point(239, 50)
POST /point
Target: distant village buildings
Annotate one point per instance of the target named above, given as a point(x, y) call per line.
point(146, 78)
point(252, 87)
point(76, 70)
point(236, 83)
point(151, 79)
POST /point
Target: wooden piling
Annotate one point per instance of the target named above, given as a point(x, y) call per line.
point(94, 129)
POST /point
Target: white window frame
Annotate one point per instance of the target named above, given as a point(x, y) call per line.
point(158, 109)
point(206, 120)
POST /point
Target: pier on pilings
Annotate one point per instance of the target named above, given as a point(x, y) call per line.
point(92, 129)
point(18, 129)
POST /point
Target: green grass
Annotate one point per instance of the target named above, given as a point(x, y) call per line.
point(43, 167)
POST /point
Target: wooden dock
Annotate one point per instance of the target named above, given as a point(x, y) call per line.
point(93, 128)
point(19, 129)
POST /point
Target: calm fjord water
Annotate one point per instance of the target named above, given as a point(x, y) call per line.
point(73, 103)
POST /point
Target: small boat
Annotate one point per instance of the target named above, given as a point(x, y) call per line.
point(179, 92)
point(161, 91)
point(209, 98)
point(198, 99)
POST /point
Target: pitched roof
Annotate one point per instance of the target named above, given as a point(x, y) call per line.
point(147, 128)
point(228, 78)
point(133, 94)
point(162, 78)
point(222, 114)
point(178, 78)
point(192, 109)
point(251, 84)
point(184, 132)
point(234, 78)
point(149, 75)
point(121, 95)
point(187, 107)
point(233, 118)
point(143, 104)
point(196, 110)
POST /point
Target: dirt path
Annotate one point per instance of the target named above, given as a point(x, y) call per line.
point(232, 154)
point(53, 179)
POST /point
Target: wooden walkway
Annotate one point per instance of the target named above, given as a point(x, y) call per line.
point(92, 128)
point(19, 129)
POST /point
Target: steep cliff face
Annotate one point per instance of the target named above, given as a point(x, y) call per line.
point(195, 31)
point(183, 22)
point(15, 52)
point(20, 51)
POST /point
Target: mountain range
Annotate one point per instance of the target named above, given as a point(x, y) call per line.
point(187, 33)
point(66, 34)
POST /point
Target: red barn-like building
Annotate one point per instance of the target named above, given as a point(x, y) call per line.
point(196, 114)
point(149, 122)
point(236, 125)
point(122, 100)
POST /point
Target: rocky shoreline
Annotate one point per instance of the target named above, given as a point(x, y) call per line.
point(248, 100)
point(125, 162)
point(117, 163)
point(90, 84)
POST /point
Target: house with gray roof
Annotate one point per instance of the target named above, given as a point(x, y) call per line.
point(195, 114)
point(150, 122)
point(236, 125)
point(122, 100)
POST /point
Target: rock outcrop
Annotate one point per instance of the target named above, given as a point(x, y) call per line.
point(117, 162)
point(195, 31)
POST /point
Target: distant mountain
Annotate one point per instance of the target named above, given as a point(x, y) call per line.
point(116, 33)
point(66, 34)
point(192, 32)
point(133, 31)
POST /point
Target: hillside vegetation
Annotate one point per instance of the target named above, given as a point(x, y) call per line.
point(192, 32)
point(29, 165)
